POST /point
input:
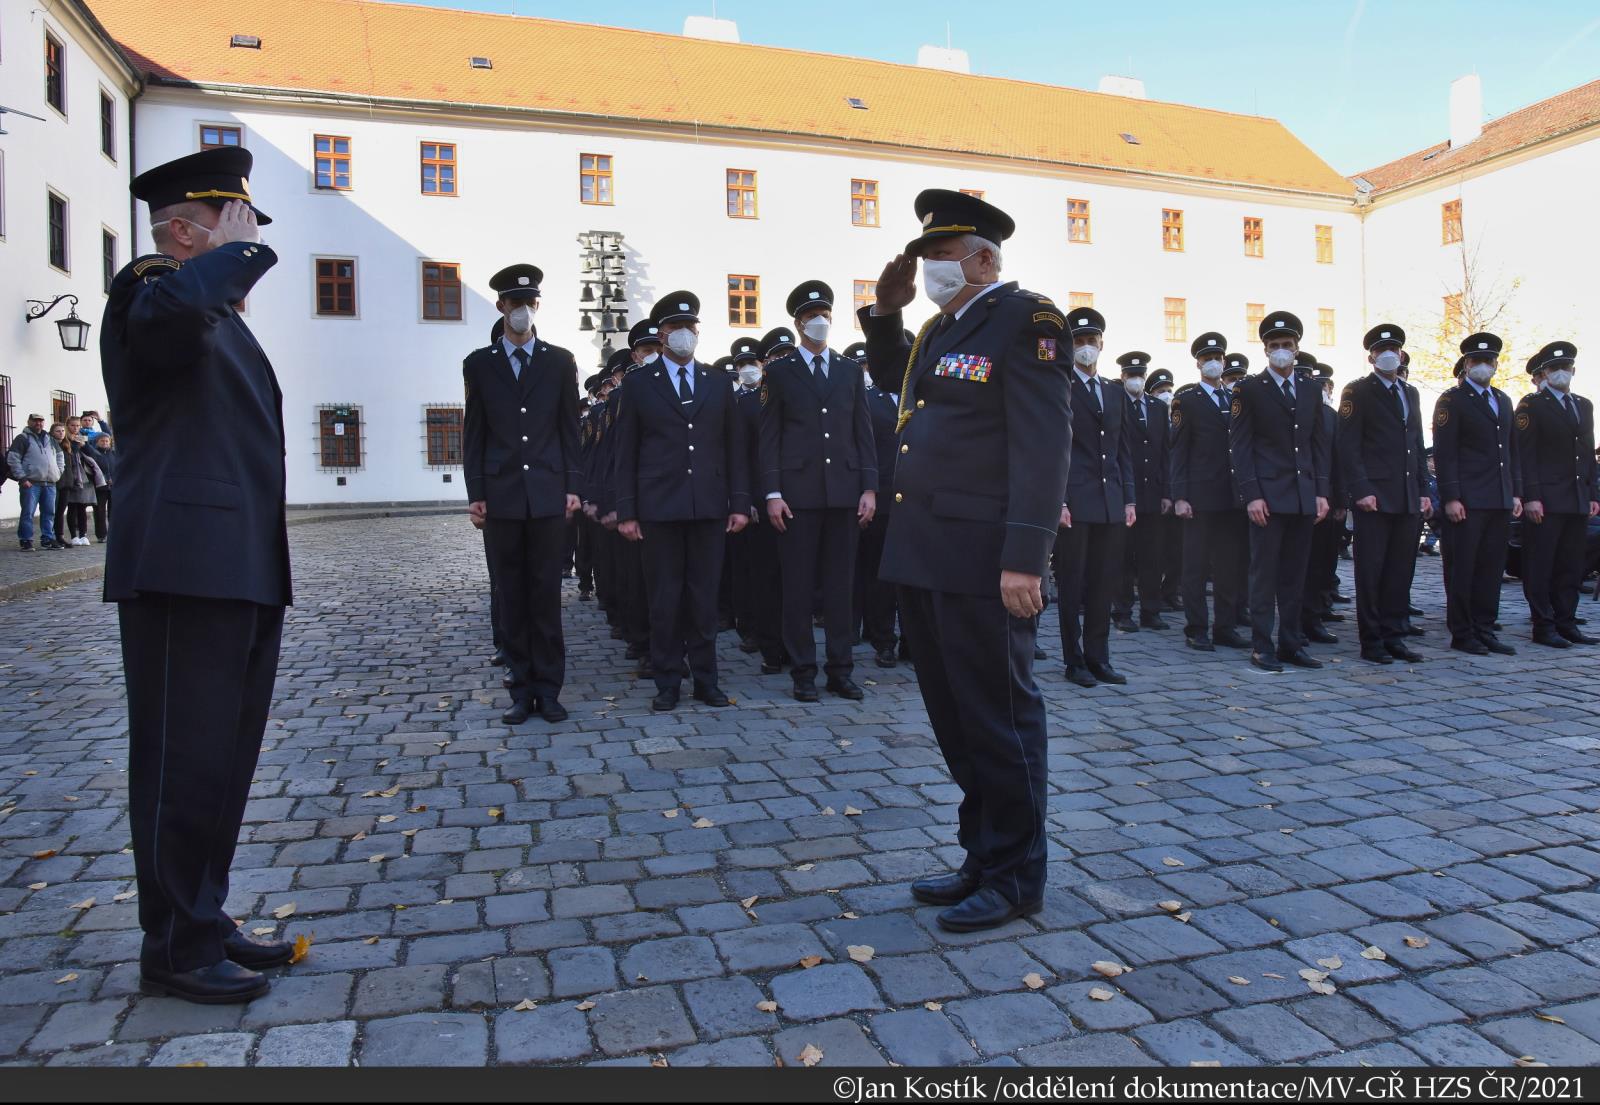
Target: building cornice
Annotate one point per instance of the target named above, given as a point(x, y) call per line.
point(1539, 147)
point(94, 38)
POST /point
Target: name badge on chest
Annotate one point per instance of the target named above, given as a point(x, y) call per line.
point(964, 366)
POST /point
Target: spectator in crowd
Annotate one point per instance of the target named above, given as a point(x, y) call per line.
point(71, 435)
point(102, 450)
point(91, 426)
point(76, 490)
point(34, 461)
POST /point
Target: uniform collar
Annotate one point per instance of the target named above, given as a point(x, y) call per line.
point(981, 293)
point(511, 348)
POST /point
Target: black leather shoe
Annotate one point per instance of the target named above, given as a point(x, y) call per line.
point(1229, 638)
point(1376, 656)
point(1126, 624)
point(885, 657)
point(1339, 597)
point(1038, 654)
point(519, 713)
point(749, 646)
point(1300, 658)
point(1498, 647)
point(499, 659)
point(1154, 621)
point(1317, 632)
point(1333, 616)
point(845, 687)
point(585, 596)
point(1547, 635)
point(944, 889)
point(225, 983)
point(771, 667)
point(664, 701)
point(805, 692)
point(1265, 662)
point(257, 955)
point(647, 670)
point(507, 679)
point(1471, 646)
point(712, 696)
point(1416, 612)
point(1080, 676)
point(637, 651)
point(1200, 644)
point(1415, 631)
point(1578, 636)
point(551, 710)
point(1406, 655)
point(985, 908)
point(1105, 673)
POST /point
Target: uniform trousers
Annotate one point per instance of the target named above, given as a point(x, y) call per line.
point(1278, 554)
point(529, 558)
point(583, 556)
point(633, 602)
point(199, 675)
point(1322, 570)
point(1087, 557)
point(974, 665)
point(765, 589)
point(1386, 558)
point(817, 554)
point(1474, 554)
point(494, 597)
point(1214, 547)
point(1172, 531)
point(873, 607)
point(1552, 569)
point(1140, 568)
point(683, 569)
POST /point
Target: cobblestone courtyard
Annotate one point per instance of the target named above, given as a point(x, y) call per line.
point(657, 886)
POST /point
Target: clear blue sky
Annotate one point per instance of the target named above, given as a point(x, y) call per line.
point(1360, 81)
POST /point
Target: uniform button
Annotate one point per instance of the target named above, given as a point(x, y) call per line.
point(827, 460)
point(524, 437)
point(691, 448)
point(691, 471)
point(524, 467)
point(691, 425)
point(826, 435)
point(899, 498)
point(824, 410)
point(920, 404)
point(524, 410)
point(905, 448)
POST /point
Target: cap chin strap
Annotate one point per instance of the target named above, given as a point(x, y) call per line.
point(218, 195)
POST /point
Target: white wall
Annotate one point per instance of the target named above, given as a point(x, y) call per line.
point(63, 154)
point(519, 201)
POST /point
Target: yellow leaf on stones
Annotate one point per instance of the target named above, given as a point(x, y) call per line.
point(302, 945)
point(861, 953)
point(703, 823)
point(524, 1005)
point(37, 885)
point(1529, 1061)
point(810, 961)
point(659, 1061)
point(933, 1006)
point(408, 832)
point(1311, 974)
point(1374, 953)
point(1238, 980)
point(1333, 962)
point(1032, 981)
point(362, 835)
point(46, 854)
point(370, 940)
point(1549, 1017)
point(851, 811)
point(1169, 861)
point(72, 977)
point(263, 930)
point(767, 1006)
point(585, 1006)
point(1184, 916)
point(1323, 988)
point(378, 857)
point(828, 811)
point(750, 901)
point(195, 1065)
point(810, 1055)
point(1100, 993)
point(124, 896)
point(805, 867)
point(87, 903)
point(1271, 974)
point(496, 811)
point(1170, 906)
point(669, 813)
point(1417, 941)
point(69, 797)
point(285, 910)
point(30, 773)
point(386, 818)
point(418, 809)
point(390, 793)
point(1108, 969)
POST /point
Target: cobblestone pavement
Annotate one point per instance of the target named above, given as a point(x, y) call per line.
point(655, 886)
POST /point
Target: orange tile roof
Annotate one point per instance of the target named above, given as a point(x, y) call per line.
point(1561, 114)
point(361, 48)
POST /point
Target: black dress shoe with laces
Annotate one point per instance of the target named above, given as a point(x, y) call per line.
point(1578, 636)
point(1376, 656)
point(1300, 658)
point(551, 710)
point(1200, 644)
point(845, 687)
point(1105, 673)
point(224, 983)
point(1415, 631)
point(712, 696)
point(1406, 655)
point(257, 955)
point(519, 713)
point(1125, 624)
point(885, 657)
point(1497, 646)
point(664, 701)
point(499, 659)
point(1317, 632)
point(771, 667)
point(1471, 646)
point(1546, 635)
point(1080, 676)
point(805, 692)
point(1265, 662)
point(944, 889)
point(985, 908)
point(1229, 638)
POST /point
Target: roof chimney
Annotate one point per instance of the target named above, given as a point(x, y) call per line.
point(709, 27)
point(1466, 110)
point(943, 57)
point(1122, 86)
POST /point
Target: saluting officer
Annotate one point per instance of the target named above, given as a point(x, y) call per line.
point(1555, 444)
point(681, 486)
point(873, 610)
point(1098, 507)
point(819, 477)
point(1380, 454)
point(1205, 499)
point(1151, 475)
point(520, 458)
point(198, 563)
point(1159, 387)
point(1480, 488)
point(985, 435)
point(1322, 566)
point(1281, 460)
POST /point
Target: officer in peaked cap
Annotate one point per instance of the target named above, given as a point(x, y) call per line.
point(1281, 464)
point(1555, 443)
point(985, 437)
point(1322, 566)
point(629, 614)
point(857, 352)
point(1480, 478)
point(199, 567)
point(1141, 567)
point(1158, 386)
point(875, 609)
point(681, 487)
point(644, 341)
point(1099, 506)
point(745, 351)
point(521, 456)
point(1208, 345)
point(753, 554)
point(819, 480)
point(1305, 363)
point(1382, 466)
point(1234, 367)
point(775, 343)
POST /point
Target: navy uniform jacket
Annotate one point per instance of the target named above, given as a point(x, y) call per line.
point(676, 461)
point(747, 403)
point(982, 472)
point(1148, 447)
point(1200, 464)
point(1474, 450)
point(1100, 477)
point(816, 441)
point(1338, 497)
point(590, 443)
point(1557, 454)
point(884, 410)
point(605, 463)
point(1379, 453)
point(202, 518)
point(1285, 462)
point(518, 459)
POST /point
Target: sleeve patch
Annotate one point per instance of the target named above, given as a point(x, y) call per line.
point(763, 393)
point(1348, 407)
point(1238, 407)
point(1177, 416)
point(1523, 421)
point(1441, 415)
point(156, 264)
point(1047, 348)
point(1050, 317)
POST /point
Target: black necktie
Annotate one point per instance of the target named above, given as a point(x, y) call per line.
point(1140, 405)
point(1094, 394)
point(521, 355)
point(1399, 403)
point(1288, 391)
point(816, 369)
point(683, 384)
point(1222, 400)
point(1572, 408)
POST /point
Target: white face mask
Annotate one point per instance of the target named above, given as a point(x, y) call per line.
point(1134, 385)
point(1387, 362)
point(1480, 374)
point(750, 375)
point(520, 320)
point(817, 328)
point(942, 281)
point(1161, 395)
point(1211, 370)
point(1281, 359)
point(1086, 355)
point(1559, 378)
point(205, 229)
point(683, 342)
point(650, 359)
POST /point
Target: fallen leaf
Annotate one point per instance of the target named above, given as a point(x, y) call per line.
point(1311, 974)
point(828, 811)
point(810, 961)
point(1032, 981)
point(1374, 952)
point(69, 797)
point(302, 945)
point(851, 811)
point(30, 773)
point(285, 910)
point(264, 930)
point(370, 940)
point(72, 977)
point(1324, 988)
point(805, 867)
point(1184, 916)
point(46, 854)
point(408, 832)
point(524, 1005)
point(1287, 832)
point(659, 1061)
point(445, 901)
point(1529, 1061)
point(1205, 1062)
point(585, 1006)
point(1417, 941)
point(848, 743)
point(641, 978)
point(1271, 974)
point(703, 823)
point(1171, 862)
point(750, 901)
point(1238, 980)
point(1100, 993)
point(1333, 962)
point(496, 811)
point(390, 793)
point(37, 885)
point(849, 915)
point(362, 835)
point(1273, 921)
point(378, 857)
point(933, 1006)
point(861, 953)
point(193, 1065)
point(1170, 906)
point(1549, 1017)
point(810, 1055)
point(386, 818)
point(124, 896)
point(330, 761)
point(87, 903)
point(418, 809)
point(1106, 968)
point(767, 1006)
point(669, 813)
